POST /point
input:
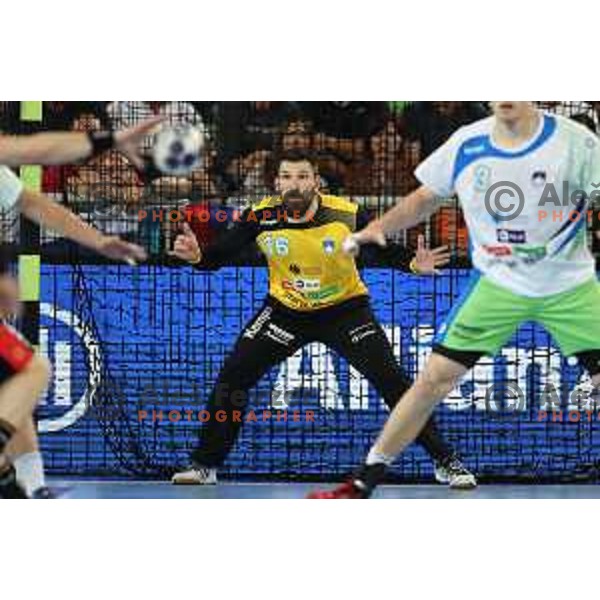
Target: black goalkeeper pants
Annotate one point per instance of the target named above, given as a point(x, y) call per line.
point(275, 334)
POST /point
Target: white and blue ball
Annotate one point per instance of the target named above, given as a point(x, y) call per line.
point(178, 150)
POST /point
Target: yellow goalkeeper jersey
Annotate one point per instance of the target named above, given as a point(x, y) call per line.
point(307, 267)
point(308, 270)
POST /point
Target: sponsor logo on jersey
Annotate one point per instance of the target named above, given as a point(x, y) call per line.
point(511, 236)
point(498, 250)
point(326, 292)
point(531, 254)
point(301, 284)
point(309, 271)
point(527, 254)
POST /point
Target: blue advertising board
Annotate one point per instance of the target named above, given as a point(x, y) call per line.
point(136, 352)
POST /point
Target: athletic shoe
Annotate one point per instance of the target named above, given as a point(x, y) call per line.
point(360, 487)
point(454, 474)
point(346, 491)
point(195, 475)
point(44, 493)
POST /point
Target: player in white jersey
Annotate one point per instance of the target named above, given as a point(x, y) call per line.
point(23, 373)
point(525, 181)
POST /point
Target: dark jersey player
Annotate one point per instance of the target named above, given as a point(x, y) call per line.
point(315, 295)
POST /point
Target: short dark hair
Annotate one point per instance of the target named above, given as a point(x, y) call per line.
point(297, 155)
point(293, 155)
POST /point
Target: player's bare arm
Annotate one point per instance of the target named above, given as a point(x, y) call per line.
point(71, 147)
point(42, 210)
point(408, 212)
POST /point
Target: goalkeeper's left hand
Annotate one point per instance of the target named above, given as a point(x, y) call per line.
point(427, 261)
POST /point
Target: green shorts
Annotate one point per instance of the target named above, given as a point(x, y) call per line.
point(487, 316)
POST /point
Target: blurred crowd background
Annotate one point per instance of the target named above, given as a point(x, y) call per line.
point(365, 150)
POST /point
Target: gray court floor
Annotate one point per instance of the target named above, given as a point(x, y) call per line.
point(139, 490)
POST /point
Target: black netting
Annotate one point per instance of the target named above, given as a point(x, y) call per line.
point(150, 340)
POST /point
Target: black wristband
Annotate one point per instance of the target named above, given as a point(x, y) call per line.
point(101, 141)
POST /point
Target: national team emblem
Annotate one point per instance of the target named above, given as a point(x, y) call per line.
point(329, 246)
point(539, 178)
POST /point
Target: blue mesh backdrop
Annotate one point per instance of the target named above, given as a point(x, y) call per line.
point(127, 342)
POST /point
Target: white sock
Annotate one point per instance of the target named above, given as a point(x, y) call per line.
point(378, 458)
point(30, 471)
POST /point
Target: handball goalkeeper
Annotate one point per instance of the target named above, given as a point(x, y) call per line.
point(315, 295)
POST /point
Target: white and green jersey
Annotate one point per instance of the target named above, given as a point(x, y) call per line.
point(513, 244)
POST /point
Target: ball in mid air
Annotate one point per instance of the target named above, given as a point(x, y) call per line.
point(178, 150)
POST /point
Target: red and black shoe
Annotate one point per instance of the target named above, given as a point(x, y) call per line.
point(346, 491)
point(360, 487)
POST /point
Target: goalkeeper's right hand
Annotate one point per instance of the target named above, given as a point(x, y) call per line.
point(187, 247)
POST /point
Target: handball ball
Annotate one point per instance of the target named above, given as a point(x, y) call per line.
point(177, 150)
